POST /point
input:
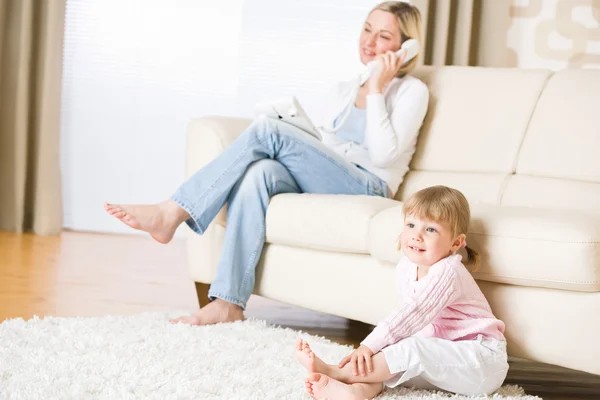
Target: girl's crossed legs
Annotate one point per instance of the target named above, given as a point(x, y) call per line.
point(468, 367)
point(326, 381)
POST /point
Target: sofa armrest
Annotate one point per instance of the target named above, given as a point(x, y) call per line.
point(207, 137)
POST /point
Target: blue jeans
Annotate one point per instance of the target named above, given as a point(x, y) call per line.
point(270, 157)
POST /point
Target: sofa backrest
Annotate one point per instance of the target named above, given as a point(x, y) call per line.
point(510, 136)
point(559, 162)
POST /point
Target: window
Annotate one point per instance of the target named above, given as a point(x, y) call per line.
point(136, 72)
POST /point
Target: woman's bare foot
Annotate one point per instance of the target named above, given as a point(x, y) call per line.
point(320, 386)
point(309, 359)
point(213, 313)
point(159, 220)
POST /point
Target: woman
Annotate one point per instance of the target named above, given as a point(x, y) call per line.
point(368, 155)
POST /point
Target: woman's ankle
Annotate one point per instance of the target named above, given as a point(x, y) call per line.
point(174, 212)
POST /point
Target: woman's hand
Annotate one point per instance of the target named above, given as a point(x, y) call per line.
point(361, 361)
point(387, 69)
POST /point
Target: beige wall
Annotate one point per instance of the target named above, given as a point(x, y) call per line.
point(554, 34)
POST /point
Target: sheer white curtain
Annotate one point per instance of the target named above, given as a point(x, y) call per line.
point(137, 71)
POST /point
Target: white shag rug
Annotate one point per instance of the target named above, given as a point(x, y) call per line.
point(145, 357)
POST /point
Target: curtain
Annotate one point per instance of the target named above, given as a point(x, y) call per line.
point(31, 40)
point(466, 32)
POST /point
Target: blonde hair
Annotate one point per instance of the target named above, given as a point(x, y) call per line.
point(409, 22)
point(447, 205)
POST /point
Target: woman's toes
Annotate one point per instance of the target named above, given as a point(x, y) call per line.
point(178, 319)
point(189, 319)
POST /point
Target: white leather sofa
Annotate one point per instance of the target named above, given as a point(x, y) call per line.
point(522, 145)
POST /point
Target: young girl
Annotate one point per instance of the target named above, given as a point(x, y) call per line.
point(444, 336)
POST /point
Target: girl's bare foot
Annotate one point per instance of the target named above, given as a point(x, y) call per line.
point(309, 360)
point(320, 386)
point(213, 313)
point(159, 220)
point(308, 385)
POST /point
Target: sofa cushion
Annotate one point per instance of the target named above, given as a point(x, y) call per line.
point(551, 193)
point(324, 222)
point(563, 138)
point(477, 187)
point(522, 246)
point(477, 117)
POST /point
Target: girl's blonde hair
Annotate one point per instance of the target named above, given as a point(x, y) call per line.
point(447, 205)
point(409, 22)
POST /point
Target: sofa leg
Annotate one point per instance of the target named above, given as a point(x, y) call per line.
point(202, 293)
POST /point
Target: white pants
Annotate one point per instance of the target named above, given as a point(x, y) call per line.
point(468, 367)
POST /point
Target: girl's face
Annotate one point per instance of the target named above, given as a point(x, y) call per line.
point(426, 242)
point(380, 34)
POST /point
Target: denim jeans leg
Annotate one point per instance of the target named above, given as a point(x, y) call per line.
point(315, 167)
point(245, 233)
point(270, 157)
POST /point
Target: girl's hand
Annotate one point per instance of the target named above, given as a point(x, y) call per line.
point(361, 361)
point(387, 69)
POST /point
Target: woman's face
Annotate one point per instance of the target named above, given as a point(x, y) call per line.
point(380, 33)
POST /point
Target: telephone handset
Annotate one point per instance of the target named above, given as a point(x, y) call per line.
point(410, 47)
point(288, 109)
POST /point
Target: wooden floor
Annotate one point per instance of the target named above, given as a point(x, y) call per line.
point(84, 274)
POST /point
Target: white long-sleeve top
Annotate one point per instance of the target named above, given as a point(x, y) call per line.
point(394, 119)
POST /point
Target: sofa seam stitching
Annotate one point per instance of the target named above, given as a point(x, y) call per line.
point(532, 239)
point(537, 100)
point(540, 279)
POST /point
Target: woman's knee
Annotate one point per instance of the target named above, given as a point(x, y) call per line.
point(261, 174)
point(265, 168)
point(271, 175)
point(261, 127)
